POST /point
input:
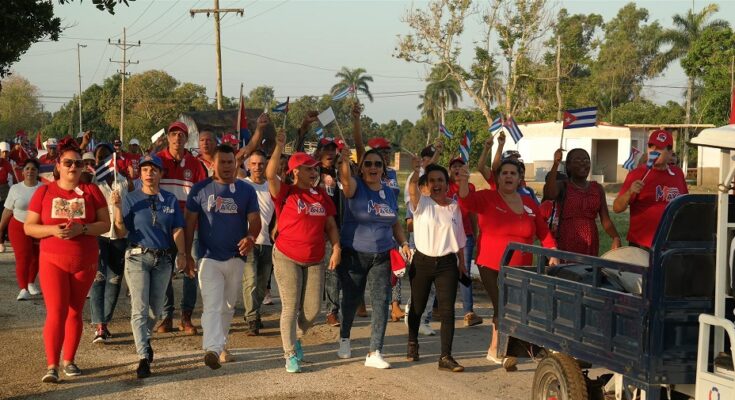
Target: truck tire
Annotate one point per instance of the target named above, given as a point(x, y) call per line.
point(558, 377)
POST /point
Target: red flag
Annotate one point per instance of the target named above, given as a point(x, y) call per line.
point(732, 107)
point(39, 141)
point(242, 122)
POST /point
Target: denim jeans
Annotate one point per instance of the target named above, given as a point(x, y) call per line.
point(355, 271)
point(332, 285)
point(107, 282)
point(300, 286)
point(255, 279)
point(466, 291)
point(147, 277)
point(220, 282)
point(189, 297)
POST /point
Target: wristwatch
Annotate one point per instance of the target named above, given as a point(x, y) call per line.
point(84, 229)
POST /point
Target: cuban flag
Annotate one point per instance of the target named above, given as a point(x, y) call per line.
point(497, 124)
point(630, 163)
point(513, 130)
point(652, 157)
point(465, 145)
point(281, 108)
point(319, 132)
point(344, 93)
point(242, 122)
point(106, 167)
point(46, 173)
point(446, 132)
point(580, 118)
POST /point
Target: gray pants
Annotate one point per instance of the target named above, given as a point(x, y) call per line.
point(300, 287)
point(255, 278)
point(147, 277)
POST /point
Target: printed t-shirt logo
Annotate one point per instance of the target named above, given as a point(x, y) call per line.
point(666, 193)
point(315, 209)
point(380, 209)
point(223, 205)
point(187, 174)
point(392, 183)
point(68, 208)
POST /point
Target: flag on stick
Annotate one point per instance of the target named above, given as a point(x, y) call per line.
point(444, 131)
point(281, 108)
point(497, 124)
point(580, 118)
point(319, 132)
point(343, 93)
point(327, 116)
point(652, 157)
point(242, 120)
point(513, 130)
point(106, 167)
point(631, 162)
point(465, 145)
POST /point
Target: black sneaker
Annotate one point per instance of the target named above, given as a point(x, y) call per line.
point(259, 323)
point(100, 336)
point(413, 351)
point(211, 359)
point(447, 363)
point(107, 331)
point(72, 370)
point(52, 376)
point(252, 329)
point(144, 369)
point(149, 352)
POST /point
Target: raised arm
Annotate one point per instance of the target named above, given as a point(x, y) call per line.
point(271, 171)
point(551, 188)
point(117, 215)
point(357, 130)
point(413, 187)
point(482, 167)
point(499, 151)
point(254, 143)
point(310, 118)
point(463, 181)
point(438, 149)
point(349, 184)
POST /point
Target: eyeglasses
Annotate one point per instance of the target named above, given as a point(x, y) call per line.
point(67, 162)
point(370, 164)
point(154, 213)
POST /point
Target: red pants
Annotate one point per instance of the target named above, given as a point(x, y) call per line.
point(26, 254)
point(64, 294)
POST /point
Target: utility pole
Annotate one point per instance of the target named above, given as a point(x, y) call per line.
point(124, 45)
point(217, 11)
point(79, 74)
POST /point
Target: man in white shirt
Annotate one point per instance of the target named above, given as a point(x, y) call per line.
point(259, 264)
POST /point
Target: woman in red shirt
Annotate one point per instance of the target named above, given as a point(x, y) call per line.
point(504, 216)
point(304, 215)
point(66, 215)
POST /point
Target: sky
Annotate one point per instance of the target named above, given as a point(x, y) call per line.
point(295, 46)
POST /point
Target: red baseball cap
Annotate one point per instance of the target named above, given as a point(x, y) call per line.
point(230, 139)
point(327, 141)
point(178, 125)
point(299, 159)
point(660, 138)
point(456, 159)
point(379, 143)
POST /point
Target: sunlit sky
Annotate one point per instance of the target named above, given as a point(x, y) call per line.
point(295, 46)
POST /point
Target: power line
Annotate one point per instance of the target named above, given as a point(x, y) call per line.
point(141, 15)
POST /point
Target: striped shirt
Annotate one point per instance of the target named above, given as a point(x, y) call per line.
point(179, 176)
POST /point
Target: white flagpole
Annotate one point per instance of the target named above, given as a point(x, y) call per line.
point(114, 167)
point(239, 111)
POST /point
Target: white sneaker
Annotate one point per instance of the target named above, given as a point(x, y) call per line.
point(376, 360)
point(345, 351)
point(23, 295)
point(425, 329)
point(33, 289)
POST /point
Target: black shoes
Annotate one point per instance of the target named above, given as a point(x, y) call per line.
point(144, 368)
point(447, 363)
point(253, 329)
point(72, 370)
point(52, 376)
point(413, 351)
point(149, 355)
point(211, 359)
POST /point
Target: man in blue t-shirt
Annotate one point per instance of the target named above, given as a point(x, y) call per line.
point(226, 212)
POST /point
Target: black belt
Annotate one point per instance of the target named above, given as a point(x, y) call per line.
point(154, 252)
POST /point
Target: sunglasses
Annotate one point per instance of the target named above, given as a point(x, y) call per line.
point(67, 162)
point(370, 164)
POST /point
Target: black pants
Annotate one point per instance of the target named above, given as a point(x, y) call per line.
point(443, 272)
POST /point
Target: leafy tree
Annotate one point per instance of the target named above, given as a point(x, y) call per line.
point(646, 112)
point(261, 96)
point(355, 78)
point(19, 107)
point(441, 92)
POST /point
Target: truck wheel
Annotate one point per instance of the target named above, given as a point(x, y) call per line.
point(558, 377)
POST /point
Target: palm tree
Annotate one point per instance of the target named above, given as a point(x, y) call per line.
point(687, 30)
point(442, 91)
point(355, 78)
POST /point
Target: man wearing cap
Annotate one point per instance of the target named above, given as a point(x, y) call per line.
point(181, 170)
point(50, 156)
point(132, 156)
point(224, 210)
point(648, 191)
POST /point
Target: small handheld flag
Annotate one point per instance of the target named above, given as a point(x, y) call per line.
point(580, 118)
point(281, 108)
point(497, 124)
point(106, 167)
point(652, 157)
point(327, 116)
point(630, 163)
point(444, 131)
point(242, 122)
point(465, 146)
point(513, 130)
point(343, 93)
point(319, 132)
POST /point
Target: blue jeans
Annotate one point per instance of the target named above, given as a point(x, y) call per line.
point(355, 271)
point(189, 297)
point(332, 285)
point(255, 277)
point(147, 277)
point(106, 285)
point(466, 291)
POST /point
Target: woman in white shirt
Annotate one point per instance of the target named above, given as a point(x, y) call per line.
point(24, 247)
point(440, 239)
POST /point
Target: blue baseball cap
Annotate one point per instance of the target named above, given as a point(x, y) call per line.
point(152, 160)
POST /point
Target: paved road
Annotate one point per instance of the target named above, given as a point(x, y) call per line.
point(258, 372)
